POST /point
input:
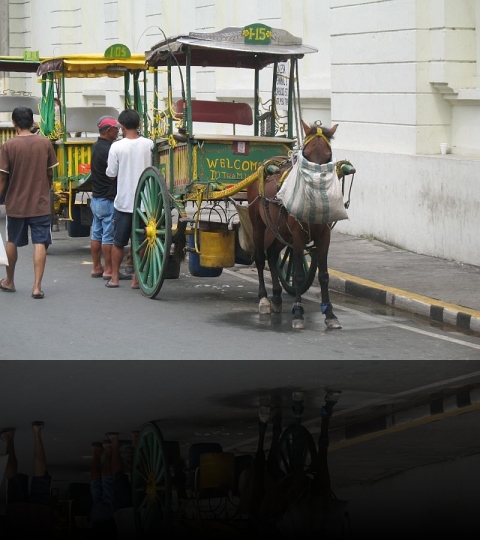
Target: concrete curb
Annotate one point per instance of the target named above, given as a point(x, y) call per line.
point(462, 399)
point(442, 312)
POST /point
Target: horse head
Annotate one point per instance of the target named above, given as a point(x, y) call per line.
point(317, 147)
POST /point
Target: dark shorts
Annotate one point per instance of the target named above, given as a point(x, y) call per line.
point(122, 228)
point(17, 491)
point(103, 499)
point(123, 491)
point(40, 230)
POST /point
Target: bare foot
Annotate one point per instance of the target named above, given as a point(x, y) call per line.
point(7, 434)
point(97, 448)
point(107, 448)
point(112, 436)
point(37, 426)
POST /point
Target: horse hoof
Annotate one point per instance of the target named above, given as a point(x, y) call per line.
point(333, 324)
point(298, 324)
point(276, 308)
point(264, 414)
point(264, 307)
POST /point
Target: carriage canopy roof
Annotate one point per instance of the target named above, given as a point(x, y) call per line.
point(253, 46)
point(92, 65)
point(17, 64)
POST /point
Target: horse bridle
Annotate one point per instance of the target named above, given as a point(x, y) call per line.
point(318, 133)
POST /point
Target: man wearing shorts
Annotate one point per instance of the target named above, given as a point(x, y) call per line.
point(109, 484)
point(127, 159)
point(28, 514)
point(26, 166)
point(104, 190)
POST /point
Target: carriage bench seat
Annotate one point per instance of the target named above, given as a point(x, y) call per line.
point(222, 112)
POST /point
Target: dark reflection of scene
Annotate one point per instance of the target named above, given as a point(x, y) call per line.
point(146, 486)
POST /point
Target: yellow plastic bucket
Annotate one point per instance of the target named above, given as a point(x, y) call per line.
point(217, 247)
point(217, 471)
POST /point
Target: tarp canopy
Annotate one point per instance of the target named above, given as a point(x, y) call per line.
point(229, 47)
point(92, 65)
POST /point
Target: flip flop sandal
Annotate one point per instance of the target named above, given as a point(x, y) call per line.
point(5, 289)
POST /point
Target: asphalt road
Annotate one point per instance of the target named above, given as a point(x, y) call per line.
point(198, 318)
point(199, 360)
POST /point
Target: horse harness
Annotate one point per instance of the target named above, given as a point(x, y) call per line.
point(282, 166)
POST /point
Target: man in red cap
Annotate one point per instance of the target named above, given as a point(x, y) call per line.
point(104, 190)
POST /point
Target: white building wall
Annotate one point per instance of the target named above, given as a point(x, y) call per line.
point(398, 76)
point(401, 78)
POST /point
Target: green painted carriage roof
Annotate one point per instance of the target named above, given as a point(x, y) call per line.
point(16, 64)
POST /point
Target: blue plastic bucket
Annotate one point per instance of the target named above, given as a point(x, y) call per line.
point(194, 266)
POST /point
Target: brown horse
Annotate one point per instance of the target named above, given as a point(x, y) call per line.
point(274, 228)
point(289, 494)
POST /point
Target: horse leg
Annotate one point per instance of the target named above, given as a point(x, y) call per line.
point(252, 479)
point(273, 467)
point(298, 322)
point(255, 213)
point(273, 252)
point(264, 304)
point(322, 478)
point(323, 279)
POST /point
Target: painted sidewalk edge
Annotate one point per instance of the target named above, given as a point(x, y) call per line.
point(437, 310)
point(464, 400)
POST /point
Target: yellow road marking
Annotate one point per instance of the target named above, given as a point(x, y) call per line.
point(404, 426)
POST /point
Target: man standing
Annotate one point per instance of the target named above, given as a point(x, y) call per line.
point(29, 512)
point(127, 159)
point(26, 166)
point(104, 190)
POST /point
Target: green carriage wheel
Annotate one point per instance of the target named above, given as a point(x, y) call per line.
point(151, 231)
point(151, 484)
point(286, 273)
point(296, 445)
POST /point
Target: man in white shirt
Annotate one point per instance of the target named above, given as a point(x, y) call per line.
point(127, 159)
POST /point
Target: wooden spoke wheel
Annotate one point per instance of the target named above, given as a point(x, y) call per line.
point(151, 484)
point(296, 447)
point(151, 231)
point(286, 270)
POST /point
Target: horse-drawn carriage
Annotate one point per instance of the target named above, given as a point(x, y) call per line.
point(200, 171)
point(73, 130)
point(280, 493)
